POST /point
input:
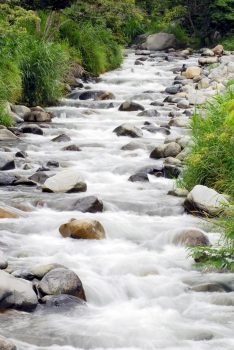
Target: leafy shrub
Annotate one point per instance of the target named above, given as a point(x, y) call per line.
point(228, 43)
point(5, 118)
point(43, 65)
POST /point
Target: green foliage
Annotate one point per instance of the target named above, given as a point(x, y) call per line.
point(43, 65)
point(96, 46)
point(211, 163)
point(5, 118)
point(228, 43)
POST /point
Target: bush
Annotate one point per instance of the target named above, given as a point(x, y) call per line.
point(228, 43)
point(96, 46)
point(211, 163)
point(5, 118)
point(43, 65)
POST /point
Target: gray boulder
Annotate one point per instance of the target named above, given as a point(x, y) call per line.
point(7, 135)
point(132, 146)
point(16, 293)
point(129, 106)
point(171, 149)
point(62, 301)
point(205, 201)
point(139, 177)
point(61, 281)
point(67, 181)
point(6, 163)
point(90, 204)
point(128, 129)
point(39, 177)
point(6, 344)
point(36, 272)
point(208, 60)
point(38, 116)
point(159, 41)
point(149, 113)
point(7, 179)
point(61, 138)
point(20, 110)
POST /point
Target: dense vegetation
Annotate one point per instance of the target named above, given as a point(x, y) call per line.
point(211, 163)
point(41, 39)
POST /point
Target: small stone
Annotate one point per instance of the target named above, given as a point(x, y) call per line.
point(88, 204)
point(61, 138)
point(149, 113)
point(128, 129)
point(139, 177)
point(129, 106)
point(192, 72)
point(32, 129)
point(191, 238)
point(211, 288)
point(52, 164)
point(72, 148)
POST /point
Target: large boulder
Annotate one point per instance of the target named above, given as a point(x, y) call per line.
point(128, 129)
point(192, 72)
point(39, 177)
point(159, 41)
point(218, 50)
point(6, 344)
point(61, 281)
point(67, 181)
point(90, 204)
point(7, 135)
point(191, 238)
point(205, 201)
point(208, 60)
point(20, 110)
point(32, 129)
point(129, 106)
point(16, 293)
point(83, 229)
point(38, 116)
point(95, 95)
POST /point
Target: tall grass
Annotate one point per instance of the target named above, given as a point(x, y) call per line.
point(96, 46)
point(211, 163)
point(43, 65)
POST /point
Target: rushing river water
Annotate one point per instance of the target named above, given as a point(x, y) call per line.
point(136, 281)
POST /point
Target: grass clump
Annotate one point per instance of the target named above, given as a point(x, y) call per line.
point(210, 162)
point(43, 69)
point(228, 43)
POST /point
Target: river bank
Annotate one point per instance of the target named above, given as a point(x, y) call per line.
point(142, 265)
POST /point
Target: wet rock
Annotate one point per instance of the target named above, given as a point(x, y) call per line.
point(21, 154)
point(62, 301)
point(139, 177)
point(95, 95)
point(7, 214)
point(149, 113)
point(208, 60)
point(128, 129)
point(138, 63)
point(20, 110)
point(61, 281)
point(67, 181)
point(179, 122)
point(72, 148)
point(83, 229)
point(6, 163)
point(218, 50)
point(178, 192)
point(192, 72)
point(3, 262)
point(205, 201)
point(7, 179)
point(129, 106)
point(61, 138)
point(172, 161)
point(132, 146)
point(24, 181)
point(154, 129)
point(204, 83)
point(32, 129)
point(16, 293)
point(157, 103)
point(207, 52)
point(90, 204)
point(7, 135)
point(211, 288)
point(183, 104)
point(39, 177)
point(37, 272)
point(52, 164)
point(173, 89)
point(191, 238)
point(152, 170)
point(159, 42)
point(38, 116)
point(171, 149)
point(171, 171)
point(6, 344)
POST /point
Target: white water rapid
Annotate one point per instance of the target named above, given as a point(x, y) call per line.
point(136, 281)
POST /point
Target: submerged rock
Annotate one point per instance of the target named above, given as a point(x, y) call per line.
point(61, 138)
point(3, 262)
point(191, 238)
point(6, 163)
point(149, 113)
point(32, 129)
point(205, 201)
point(39, 177)
point(7, 179)
point(16, 293)
point(83, 229)
point(128, 129)
point(7, 214)
point(61, 281)
point(211, 288)
point(6, 344)
point(62, 301)
point(132, 146)
point(36, 272)
point(67, 181)
point(72, 148)
point(139, 177)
